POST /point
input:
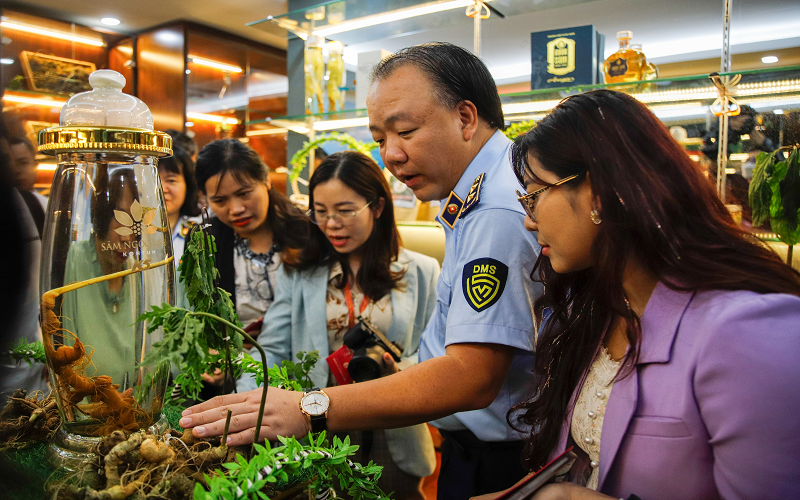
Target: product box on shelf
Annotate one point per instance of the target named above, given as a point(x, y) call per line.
point(568, 56)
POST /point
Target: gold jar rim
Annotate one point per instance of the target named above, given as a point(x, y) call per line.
point(56, 140)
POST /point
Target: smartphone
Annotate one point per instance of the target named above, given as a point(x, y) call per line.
point(532, 483)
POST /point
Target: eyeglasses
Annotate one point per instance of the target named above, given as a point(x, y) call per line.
point(340, 216)
point(528, 201)
point(259, 283)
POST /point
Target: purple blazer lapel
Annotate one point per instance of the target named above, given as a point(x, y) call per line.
point(620, 410)
point(660, 323)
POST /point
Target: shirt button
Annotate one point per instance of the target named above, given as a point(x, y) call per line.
point(592, 414)
point(600, 394)
point(588, 440)
point(594, 464)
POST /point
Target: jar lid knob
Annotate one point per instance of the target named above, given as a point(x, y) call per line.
point(106, 79)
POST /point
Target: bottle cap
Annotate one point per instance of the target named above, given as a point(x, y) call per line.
point(624, 35)
point(105, 105)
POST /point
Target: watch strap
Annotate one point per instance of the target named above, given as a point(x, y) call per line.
point(319, 423)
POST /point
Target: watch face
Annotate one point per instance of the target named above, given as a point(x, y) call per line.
point(314, 403)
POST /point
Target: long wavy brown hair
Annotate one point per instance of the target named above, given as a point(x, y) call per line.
point(657, 207)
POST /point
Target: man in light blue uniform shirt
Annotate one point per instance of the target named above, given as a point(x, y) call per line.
point(484, 294)
point(435, 113)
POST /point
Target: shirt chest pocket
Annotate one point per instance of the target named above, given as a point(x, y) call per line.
point(443, 291)
point(663, 427)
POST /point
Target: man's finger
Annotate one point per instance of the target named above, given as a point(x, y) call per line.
point(226, 400)
point(214, 415)
point(244, 437)
point(216, 428)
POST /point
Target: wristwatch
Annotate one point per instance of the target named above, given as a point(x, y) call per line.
point(314, 404)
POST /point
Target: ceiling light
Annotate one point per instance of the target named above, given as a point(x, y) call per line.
point(212, 118)
point(189, 124)
point(110, 21)
point(769, 59)
point(396, 15)
point(50, 167)
point(215, 64)
point(53, 34)
point(6, 60)
point(777, 111)
point(39, 101)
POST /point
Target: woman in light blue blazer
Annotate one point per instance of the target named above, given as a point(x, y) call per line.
point(355, 266)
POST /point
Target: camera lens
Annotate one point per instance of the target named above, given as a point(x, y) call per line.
point(363, 368)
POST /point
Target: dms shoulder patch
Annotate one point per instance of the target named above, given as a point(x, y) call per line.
point(483, 282)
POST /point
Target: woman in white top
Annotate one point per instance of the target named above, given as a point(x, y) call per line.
point(255, 229)
point(255, 226)
point(354, 266)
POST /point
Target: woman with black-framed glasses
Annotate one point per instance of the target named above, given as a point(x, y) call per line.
point(354, 266)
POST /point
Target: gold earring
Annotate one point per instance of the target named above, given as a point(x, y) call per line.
point(595, 216)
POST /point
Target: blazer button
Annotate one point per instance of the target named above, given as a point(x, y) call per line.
point(588, 440)
point(592, 414)
point(594, 464)
point(600, 394)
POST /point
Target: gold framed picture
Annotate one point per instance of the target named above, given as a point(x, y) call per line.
point(56, 75)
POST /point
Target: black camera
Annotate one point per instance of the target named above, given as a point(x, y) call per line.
point(368, 345)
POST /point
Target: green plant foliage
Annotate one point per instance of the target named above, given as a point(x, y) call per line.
point(29, 352)
point(775, 191)
point(189, 338)
point(290, 376)
point(292, 463)
point(517, 129)
point(299, 160)
point(760, 194)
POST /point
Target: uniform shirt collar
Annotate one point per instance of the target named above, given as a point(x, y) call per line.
point(486, 157)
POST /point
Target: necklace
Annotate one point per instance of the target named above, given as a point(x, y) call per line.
point(112, 298)
point(259, 285)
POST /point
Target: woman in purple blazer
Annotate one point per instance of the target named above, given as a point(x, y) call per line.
point(671, 356)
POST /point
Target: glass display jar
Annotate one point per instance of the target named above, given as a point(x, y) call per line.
point(335, 76)
point(106, 260)
point(314, 66)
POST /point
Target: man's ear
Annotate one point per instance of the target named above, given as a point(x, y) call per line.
point(468, 117)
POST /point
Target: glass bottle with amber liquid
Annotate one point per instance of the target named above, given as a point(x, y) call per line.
point(650, 72)
point(625, 65)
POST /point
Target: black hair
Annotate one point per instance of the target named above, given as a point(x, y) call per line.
point(111, 184)
point(182, 140)
point(360, 173)
point(456, 74)
point(320, 154)
point(181, 163)
point(658, 208)
point(289, 226)
point(13, 141)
